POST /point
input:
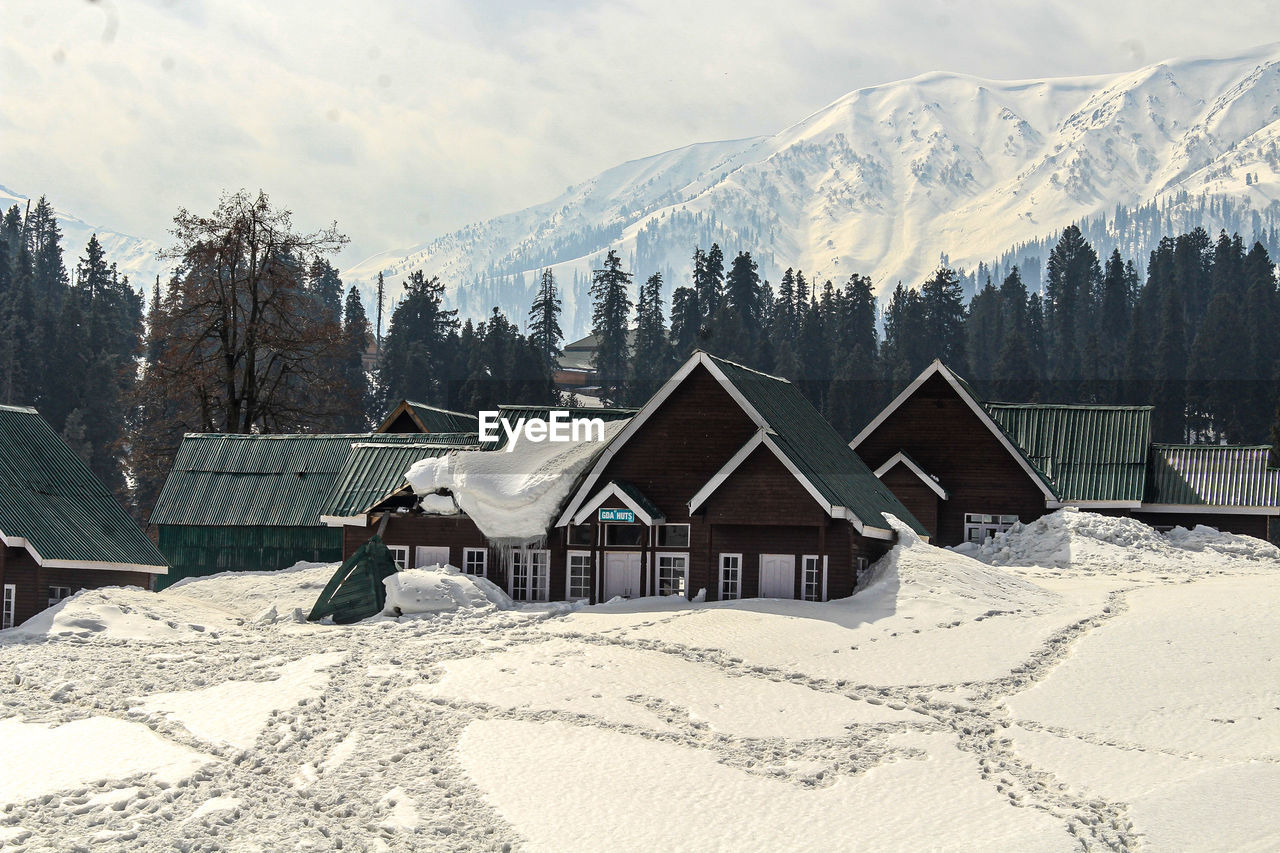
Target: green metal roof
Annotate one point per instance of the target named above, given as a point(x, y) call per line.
point(1213, 475)
point(632, 491)
point(432, 419)
point(356, 591)
point(1088, 453)
point(813, 446)
point(222, 480)
point(373, 471)
point(50, 498)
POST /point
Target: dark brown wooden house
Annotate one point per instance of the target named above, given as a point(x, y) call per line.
point(62, 530)
point(727, 481)
point(968, 468)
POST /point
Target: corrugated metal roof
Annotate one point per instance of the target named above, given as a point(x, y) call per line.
point(1213, 475)
point(1089, 453)
point(814, 447)
point(435, 420)
point(258, 480)
point(373, 471)
point(49, 497)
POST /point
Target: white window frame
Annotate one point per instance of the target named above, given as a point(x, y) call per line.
point(9, 609)
point(55, 597)
point(657, 571)
point(604, 537)
point(467, 554)
point(426, 561)
point(981, 526)
point(530, 592)
point(688, 534)
point(808, 563)
point(737, 581)
point(568, 575)
point(399, 555)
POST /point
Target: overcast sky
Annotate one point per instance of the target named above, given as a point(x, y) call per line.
point(405, 119)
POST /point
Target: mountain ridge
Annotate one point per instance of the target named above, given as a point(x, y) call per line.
point(887, 180)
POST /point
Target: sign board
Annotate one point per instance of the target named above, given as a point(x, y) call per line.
point(619, 515)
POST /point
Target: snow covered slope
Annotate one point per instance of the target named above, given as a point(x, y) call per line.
point(1086, 684)
point(133, 256)
point(887, 178)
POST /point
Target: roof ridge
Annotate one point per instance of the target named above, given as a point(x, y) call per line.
point(741, 366)
point(437, 408)
point(25, 410)
point(334, 435)
point(1107, 406)
point(1211, 446)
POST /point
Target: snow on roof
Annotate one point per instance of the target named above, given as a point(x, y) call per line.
point(512, 496)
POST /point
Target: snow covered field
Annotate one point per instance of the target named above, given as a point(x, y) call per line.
point(1079, 684)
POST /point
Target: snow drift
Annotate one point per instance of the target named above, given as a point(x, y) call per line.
point(512, 497)
point(1072, 540)
point(440, 589)
point(913, 569)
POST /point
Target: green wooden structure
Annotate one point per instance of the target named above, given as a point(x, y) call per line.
point(253, 502)
point(356, 590)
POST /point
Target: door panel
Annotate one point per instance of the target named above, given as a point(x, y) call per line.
point(430, 555)
point(621, 574)
point(777, 576)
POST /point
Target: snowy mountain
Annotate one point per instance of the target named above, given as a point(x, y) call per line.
point(887, 179)
point(133, 256)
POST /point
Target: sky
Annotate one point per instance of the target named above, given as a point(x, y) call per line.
point(406, 119)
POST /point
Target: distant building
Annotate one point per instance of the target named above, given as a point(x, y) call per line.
point(255, 502)
point(575, 370)
point(62, 530)
point(968, 468)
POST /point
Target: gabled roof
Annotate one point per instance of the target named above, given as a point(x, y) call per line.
point(800, 437)
point(1213, 476)
point(903, 459)
point(1091, 454)
point(976, 405)
point(52, 504)
point(374, 470)
point(629, 494)
point(225, 480)
point(431, 419)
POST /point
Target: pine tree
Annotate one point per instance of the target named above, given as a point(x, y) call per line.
point(610, 311)
point(356, 336)
point(651, 362)
point(415, 351)
point(686, 321)
point(326, 287)
point(1169, 418)
point(740, 326)
point(942, 307)
point(1071, 290)
point(544, 321)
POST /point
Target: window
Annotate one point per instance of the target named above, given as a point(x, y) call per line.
point(10, 604)
point(578, 583)
point(475, 561)
point(425, 556)
point(673, 574)
point(625, 535)
point(57, 593)
point(581, 534)
point(730, 576)
point(400, 554)
point(978, 527)
point(671, 535)
point(811, 583)
point(530, 575)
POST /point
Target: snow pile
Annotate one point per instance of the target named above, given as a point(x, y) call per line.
point(1070, 539)
point(122, 613)
point(439, 589)
point(253, 594)
point(916, 570)
point(512, 496)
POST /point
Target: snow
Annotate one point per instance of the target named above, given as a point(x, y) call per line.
point(1087, 542)
point(511, 496)
point(440, 588)
point(1087, 684)
point(41, 759)
point(236, 712)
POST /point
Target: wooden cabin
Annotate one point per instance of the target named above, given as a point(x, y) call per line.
point(968, 468)
point(62, 530)
point(727, 481)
